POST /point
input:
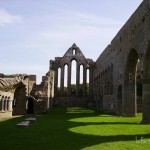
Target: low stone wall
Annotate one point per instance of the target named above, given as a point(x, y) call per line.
point(5, 114)
point(71, 101)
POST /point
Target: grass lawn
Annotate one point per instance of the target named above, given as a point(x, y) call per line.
point(75, 129)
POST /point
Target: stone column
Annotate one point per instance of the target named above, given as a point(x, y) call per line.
point(6, 104)
point(146, 101)
point(77, 79)
point(62, 81)
point(84, 81)
point(9, 105)
point(129, 100)
point(69, 79)
point(2, 104)
point(56, 82)
point(91, 82)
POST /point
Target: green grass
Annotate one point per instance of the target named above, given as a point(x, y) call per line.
point(75, 129)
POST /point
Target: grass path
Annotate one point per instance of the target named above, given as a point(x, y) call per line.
point(75, 129)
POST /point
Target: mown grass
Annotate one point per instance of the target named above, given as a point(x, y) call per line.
point(75, 129)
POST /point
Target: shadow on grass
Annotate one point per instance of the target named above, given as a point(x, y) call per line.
point(51, 131)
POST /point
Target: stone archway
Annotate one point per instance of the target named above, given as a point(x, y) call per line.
point(19, 102)
point(130, 94)
point(30, 106)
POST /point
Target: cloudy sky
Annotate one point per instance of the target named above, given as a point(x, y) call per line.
point(34, 31)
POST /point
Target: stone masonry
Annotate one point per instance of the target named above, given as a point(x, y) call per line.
point(19, 94)
point(68, 99)
point(115, 88)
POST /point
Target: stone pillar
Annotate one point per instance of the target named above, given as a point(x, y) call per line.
point(146, 101)
point(91, 82)
point(56, 82)
point(77, 79)
point(48, 92)
point(129, 101)
point(2, 104)
point(9, 105)
point(62, 81)
point(69, 79)
point(84, 81)
point(6, 104)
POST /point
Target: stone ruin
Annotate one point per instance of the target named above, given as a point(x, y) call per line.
point(122, 72)
point(63, 96)
point(119, 80)
point(19, 94)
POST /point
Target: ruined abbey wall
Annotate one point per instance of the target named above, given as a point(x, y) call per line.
point(20, 95)
point(114, 75)
point(64, 95)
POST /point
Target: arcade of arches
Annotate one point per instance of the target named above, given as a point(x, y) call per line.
point(125, 88)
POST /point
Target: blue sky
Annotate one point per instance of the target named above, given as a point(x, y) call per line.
point(34, 31)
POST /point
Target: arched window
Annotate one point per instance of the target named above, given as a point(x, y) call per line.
point(81, 81)
point(88, 75)
point(30, 106)
point(65, 75)
point(73, 77)
point(81, 74)
point(87, 81)
point(74, 52)
point(73, 72)
point(14, 102)
point(65, 79)
point(130, 86)
point(59, 77)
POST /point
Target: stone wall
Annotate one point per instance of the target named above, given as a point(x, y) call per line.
point(72, 102)
point(6, 104)
point(9, 84)
point(44, 93)
point(73, 54)
point(20, 95)
point(115, 67)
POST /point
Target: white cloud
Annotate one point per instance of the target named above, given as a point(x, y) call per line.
point(94, 19)
point(6, 18)
point(80, 25)
point(79, 32)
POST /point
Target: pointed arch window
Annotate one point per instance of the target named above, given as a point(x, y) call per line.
point(59, 77)
point(65, 75)
point(73, 71)
point(87, 81)
point(74, 52)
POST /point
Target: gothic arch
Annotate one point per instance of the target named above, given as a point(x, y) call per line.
point(19, 102)
point(30, 105)
point(130, 97)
